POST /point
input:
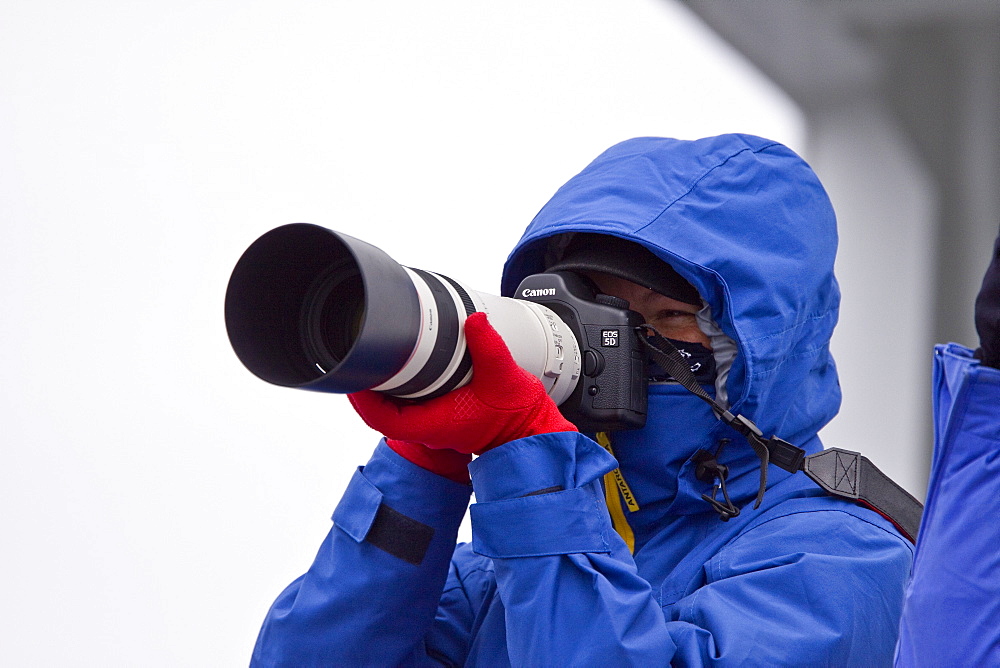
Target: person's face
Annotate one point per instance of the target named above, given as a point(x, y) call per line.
point(671, 318)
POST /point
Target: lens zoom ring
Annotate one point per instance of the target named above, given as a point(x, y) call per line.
point(466, 363)
point(445, 343)
point(470, 308)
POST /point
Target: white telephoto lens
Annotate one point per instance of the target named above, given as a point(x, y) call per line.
point(539, 341)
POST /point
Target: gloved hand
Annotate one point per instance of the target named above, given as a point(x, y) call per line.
point(988, 313)
point(502, 403)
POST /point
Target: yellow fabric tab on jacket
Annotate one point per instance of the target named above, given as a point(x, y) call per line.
point(605, 442)
point(613, 482)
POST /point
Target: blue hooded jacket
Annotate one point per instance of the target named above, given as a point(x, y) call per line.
point(806, 579)
point(952, 604)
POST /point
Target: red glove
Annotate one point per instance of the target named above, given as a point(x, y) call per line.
point(502, 403)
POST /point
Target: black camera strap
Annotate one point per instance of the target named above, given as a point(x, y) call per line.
point(841, 473)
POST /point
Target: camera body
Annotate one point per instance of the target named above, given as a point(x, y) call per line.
point(611, 392)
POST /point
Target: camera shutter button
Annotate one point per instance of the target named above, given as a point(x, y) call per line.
point(593, 363)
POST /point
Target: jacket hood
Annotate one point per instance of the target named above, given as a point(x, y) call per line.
point(746, 221)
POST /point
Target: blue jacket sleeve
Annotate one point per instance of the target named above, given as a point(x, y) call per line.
point(570, 589)
point(953, 599)
point(787, 590)
point(371, 595)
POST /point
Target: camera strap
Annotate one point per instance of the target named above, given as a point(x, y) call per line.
point(841, 473)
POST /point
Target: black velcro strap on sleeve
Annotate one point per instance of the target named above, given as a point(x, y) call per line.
point(401, 536)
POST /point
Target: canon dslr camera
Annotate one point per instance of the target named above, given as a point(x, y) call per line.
point(314, 309)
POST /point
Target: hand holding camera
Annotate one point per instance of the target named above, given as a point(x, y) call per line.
point(501, 403)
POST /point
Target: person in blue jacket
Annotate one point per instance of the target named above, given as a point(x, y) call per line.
point(951, 615)
point(583, 557)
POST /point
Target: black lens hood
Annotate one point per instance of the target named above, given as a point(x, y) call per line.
point(264, 306)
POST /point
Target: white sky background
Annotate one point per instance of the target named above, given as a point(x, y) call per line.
point(157, 497)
